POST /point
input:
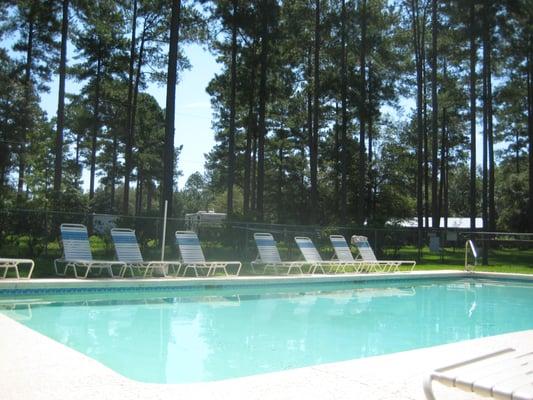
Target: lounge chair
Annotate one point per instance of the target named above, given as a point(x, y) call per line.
point(367, 254)
point(503, 374)
point(313, 257)
point(192, 255)
point(128, 251)
point(268, 255)
point(7, 263)
point(77, 254)
point(343, 253)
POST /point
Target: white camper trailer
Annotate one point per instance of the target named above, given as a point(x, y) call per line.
point(204, 218)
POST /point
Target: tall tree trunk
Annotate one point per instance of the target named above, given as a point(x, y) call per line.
point(139, 191)
point(113, 174)
point(4, 158)
point(344, 138)
point(58, 162)
point(517, 151)
point(149, 196)
point(434, 115)
point(249, 137)
point(262, 110)
point(316, 116)
point(490, 130)
point(443, 152)
point(336, 157)
point(370, 197)
point(231, 138)
point(253, 171)
point(138, 78)
point(362, 116)
point(425, 145)
point(492, 165)
point(2, 171)
point(77, 160)
point(420, 126)
point(141, 177)
point(27, 94)
point(281, 138)
point(168, 156)
point(446, 185)
point(303, 201)
point(485, 206)
point(96, 125)
point(129, 112)
point(370, 204)
point(473, 78)
point(309, 124)
point(529, 63)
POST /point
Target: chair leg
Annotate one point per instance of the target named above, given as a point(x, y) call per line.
point(125, 268)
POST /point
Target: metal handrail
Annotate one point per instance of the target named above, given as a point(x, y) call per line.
point(470, 244)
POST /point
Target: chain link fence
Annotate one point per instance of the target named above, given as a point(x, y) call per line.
point(35, 234)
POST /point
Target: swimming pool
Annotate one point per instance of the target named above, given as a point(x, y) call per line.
point(171, 335)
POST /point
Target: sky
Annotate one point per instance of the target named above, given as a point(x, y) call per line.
point(193, 110)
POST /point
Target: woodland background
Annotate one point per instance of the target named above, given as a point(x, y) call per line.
point(359, 112)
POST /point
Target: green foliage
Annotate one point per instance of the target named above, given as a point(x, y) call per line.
point(379, 83)
point(35, 24)
point(513, 201)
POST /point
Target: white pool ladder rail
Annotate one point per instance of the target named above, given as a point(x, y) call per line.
point(469, 245)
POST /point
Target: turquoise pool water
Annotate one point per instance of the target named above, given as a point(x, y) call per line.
point(173, 336)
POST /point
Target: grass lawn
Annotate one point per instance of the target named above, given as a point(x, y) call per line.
point(510, 260)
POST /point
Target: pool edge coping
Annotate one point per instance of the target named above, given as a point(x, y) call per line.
point(218, 282)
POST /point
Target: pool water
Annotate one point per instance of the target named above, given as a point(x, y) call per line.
point(176, 336)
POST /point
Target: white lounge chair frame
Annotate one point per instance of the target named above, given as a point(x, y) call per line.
point(15, 263)
point(503, 374)
point(268, 255)
point(192, 256)
point(77, 254)
point(127, 250)
point(312, 256)
point(367, 255)
point(343, 253)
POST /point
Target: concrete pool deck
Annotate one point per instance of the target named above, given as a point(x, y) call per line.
point(33, 366)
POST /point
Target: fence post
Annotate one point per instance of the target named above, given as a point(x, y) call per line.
point(246, 239)
point(419, 243)
point(164, 232)
point(485, 250)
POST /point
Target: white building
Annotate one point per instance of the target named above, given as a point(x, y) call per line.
point(453, 223)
